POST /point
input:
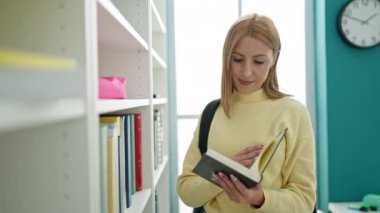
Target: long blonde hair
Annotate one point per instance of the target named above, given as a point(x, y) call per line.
point(262, 28)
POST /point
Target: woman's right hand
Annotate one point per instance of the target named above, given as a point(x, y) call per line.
point(248, 155)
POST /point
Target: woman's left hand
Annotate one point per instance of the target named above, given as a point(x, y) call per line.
point(237, 191)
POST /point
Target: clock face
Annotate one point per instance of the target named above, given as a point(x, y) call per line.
point(359, 23)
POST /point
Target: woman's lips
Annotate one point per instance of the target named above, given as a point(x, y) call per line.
point(245, 83)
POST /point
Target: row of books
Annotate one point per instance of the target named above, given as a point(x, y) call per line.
point(121, 160)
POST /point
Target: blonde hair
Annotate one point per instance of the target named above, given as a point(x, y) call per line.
point(262, 28)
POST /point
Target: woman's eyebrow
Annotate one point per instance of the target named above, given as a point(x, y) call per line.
point(255, 56)
point(236, 53)
point(260, 55)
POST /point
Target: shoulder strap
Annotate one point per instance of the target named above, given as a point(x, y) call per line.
point(207, 116)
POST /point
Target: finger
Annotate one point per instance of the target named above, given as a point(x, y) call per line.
point(216, 177)
point(231, 189)
point(226, 183)
point(248, 156)
point(228, 187)
point(249, 149)
point(240, 189)
point(247, 163)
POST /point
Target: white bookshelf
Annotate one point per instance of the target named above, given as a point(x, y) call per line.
point(161, 168)
point(142, 199)
point(51, 55)
point(108, 106)
point(21, 114)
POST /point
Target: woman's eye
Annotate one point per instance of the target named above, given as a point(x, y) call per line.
point(237, 60)
point(259, 62)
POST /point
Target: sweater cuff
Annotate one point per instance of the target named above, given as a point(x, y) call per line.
point(267, 207)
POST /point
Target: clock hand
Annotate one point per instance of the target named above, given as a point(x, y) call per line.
point(356, 19)
point(371, 17)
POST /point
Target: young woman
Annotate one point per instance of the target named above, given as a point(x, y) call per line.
point(252, 112)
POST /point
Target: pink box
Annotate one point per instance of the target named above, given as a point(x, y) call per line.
point(112, 87)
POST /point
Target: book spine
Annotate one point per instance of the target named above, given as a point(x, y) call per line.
point(138, 151)
point(160, 132)
point(158, 137)
point(113, 203)
point(132, 142)
point(128, 172)
point(122, 174)
point(113, 162)
point(103, 128)
point(155, 140)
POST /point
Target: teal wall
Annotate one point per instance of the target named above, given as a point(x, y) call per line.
point(348, 85)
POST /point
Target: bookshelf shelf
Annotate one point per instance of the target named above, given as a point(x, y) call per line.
point(158, 25)
point(114, 29)
point(160, 101)
point(158, 61)
point(19, 114)
point(158, 172)
point(141, 198)
point(107, 106)
point(33, 61)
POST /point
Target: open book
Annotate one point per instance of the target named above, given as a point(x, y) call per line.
point(213, 162)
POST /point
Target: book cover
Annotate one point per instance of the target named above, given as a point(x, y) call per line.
point(213, 162)
point(112, 169)
point(119, 121)
point(160, 137)
point(138, 152)
point(155, 142)
point(103, 128)
point(158, 133)
point(131, 120)
point(125, 173)
point(128, 167)
point(122, 174)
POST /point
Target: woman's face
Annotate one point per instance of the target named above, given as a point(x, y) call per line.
point(250, 62)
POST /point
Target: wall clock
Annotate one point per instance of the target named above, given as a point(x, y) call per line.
point(359, 23)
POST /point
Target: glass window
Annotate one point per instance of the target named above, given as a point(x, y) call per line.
point(200, 29)
point(291, 26)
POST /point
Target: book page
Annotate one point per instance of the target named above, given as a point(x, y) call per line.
point(263, 160)
point(233, 164)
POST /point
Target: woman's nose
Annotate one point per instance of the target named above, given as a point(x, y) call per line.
point(247, 69)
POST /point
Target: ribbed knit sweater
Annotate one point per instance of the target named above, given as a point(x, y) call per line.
point(289, 182)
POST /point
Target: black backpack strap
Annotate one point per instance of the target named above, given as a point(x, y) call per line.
point(204, 129)
point(207, 115)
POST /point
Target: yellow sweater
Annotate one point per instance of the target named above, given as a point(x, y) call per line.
point(289, 182)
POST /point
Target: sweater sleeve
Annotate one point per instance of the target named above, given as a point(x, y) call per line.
point(299, 186)
point(193, 190)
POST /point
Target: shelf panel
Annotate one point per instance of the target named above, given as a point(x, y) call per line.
point(16, 114)
point(160, 101)
point(158, 61)
point(139, 201)
point(106, 106)
point(158, 25)
point(158, 172)
point(31, 61)
point(115, 30)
